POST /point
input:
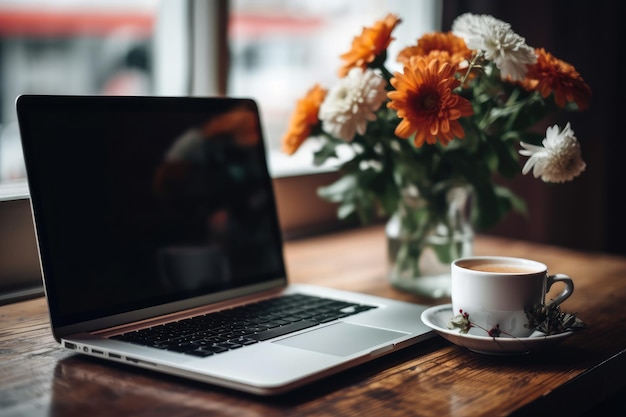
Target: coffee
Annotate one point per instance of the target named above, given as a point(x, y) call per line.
point(495, 292)
point(500, 268)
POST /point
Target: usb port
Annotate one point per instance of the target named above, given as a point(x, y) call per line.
point(70, 345)
point(97, 352)
point(115, 355)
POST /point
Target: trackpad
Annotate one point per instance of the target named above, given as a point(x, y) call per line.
point(341, 339)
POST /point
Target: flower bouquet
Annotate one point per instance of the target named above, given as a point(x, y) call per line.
point(428, 146)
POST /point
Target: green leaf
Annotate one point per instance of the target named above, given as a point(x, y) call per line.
point(489, 208)
point(345, 210)
point(322, 155)
point(337, 191)
point(508, 160)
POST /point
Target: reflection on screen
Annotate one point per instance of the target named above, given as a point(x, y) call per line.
point(141, 205)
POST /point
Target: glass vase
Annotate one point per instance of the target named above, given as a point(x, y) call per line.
point(423, 238)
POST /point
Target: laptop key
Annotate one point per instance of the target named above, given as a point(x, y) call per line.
point(325, 318)
point(246, 341)
point(283, 330)
point(200, 352)
point(214, 349)
point(183, 348)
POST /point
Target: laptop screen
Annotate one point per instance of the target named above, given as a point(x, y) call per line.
point(142, 201)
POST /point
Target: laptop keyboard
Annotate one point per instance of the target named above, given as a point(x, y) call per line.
point(234, 328)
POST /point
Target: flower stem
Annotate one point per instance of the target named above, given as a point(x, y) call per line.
point(475, 57)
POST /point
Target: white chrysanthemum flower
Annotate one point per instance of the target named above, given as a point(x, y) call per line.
point(559, 159)
point(471, 27)
point(352, 103)
point(499, 43)
point(509, 52)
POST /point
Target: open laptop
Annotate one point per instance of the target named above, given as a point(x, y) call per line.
point(156, 215)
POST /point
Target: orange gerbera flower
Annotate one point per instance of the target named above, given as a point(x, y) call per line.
point(424, 100)
point(437, 42)
point(303, 119)
point(551, 74)
point(372, 42)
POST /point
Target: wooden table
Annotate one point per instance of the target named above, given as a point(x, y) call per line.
point(435, 378)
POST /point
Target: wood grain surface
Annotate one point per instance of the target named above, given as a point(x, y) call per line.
point(435, 378)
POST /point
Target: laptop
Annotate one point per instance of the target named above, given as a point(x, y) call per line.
point(160, 247)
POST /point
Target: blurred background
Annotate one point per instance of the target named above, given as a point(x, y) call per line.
point(274, 51)
point(589, 212)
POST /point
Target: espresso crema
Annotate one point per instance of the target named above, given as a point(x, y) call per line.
point(501, 268)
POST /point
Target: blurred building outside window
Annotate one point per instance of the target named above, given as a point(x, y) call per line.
point(278, 50)
point(69, 47)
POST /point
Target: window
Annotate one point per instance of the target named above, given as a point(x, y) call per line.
point(69, 47)
point(278, 49)
point(281, 48)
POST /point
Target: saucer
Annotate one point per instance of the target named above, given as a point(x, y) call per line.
point(437, 318)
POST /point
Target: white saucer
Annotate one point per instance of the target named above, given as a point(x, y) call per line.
point(437, 318)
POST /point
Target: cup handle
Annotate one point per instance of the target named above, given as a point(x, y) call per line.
point(567, 291)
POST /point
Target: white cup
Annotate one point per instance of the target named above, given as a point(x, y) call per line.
point(495, 291)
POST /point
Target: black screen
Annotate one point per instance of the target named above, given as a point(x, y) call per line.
point(145, 201)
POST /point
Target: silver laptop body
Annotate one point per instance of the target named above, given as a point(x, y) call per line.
point(152, 210)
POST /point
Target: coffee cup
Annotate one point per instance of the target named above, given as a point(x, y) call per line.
point(495, 292)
